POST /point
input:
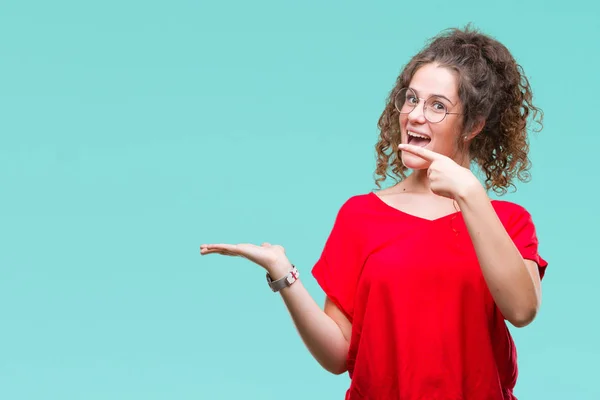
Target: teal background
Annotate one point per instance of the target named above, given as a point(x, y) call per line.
point(131, 132)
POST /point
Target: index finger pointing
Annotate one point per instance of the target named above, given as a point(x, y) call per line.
point(420, 151)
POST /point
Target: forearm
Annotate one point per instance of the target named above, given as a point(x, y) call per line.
point(508, 278)
point(319, 332)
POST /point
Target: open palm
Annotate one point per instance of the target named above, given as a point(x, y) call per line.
point(267, 256)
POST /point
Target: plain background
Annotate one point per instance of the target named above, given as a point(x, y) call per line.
point(131, 132)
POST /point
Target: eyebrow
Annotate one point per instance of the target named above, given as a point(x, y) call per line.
point(434, 95)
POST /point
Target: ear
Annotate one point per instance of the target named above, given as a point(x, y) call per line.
point(477, 128)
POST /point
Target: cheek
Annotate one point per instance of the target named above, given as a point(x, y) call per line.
point(403, 120)
point(448, 141)
point(447, 134)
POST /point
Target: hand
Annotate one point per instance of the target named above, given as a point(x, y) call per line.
point(270, 257)
point(446, 177)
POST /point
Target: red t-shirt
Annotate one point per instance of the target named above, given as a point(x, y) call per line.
point(424, 324)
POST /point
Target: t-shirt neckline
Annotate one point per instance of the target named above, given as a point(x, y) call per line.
point(407, 214)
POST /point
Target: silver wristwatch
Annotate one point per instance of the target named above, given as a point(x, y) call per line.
point(284, 282)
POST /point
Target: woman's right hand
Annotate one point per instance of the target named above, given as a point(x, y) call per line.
point(326, 332)
point(270, 257)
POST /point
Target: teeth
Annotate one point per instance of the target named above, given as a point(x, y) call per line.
point(418, 135)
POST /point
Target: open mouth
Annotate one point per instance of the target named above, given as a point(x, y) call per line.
point(418, 139)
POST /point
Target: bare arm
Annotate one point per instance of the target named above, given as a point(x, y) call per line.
point(326, 333)
point(513, 282)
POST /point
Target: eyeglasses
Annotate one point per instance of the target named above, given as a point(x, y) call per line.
point(434, 108)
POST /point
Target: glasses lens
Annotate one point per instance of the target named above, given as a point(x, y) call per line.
point(405, 101)
point(435, 110)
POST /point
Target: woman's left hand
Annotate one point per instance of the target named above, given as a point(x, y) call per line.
point(446, 177)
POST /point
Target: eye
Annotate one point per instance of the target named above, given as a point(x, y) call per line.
point(438, 107)
point(411, 99)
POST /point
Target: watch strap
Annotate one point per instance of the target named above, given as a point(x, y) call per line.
point(291, 277)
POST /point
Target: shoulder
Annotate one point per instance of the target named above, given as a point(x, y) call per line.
point(354, 207)
point(510, 212)
point(356, 202)
point(505, 206)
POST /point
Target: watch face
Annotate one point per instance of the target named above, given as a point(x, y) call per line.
point(292, 276)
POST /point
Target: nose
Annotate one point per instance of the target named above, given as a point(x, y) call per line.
point(417, 115)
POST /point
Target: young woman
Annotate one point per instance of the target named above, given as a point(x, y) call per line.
point(421, 278)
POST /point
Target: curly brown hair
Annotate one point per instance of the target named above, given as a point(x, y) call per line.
point(491, 86)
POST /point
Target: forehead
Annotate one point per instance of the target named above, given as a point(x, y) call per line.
point(431, 79)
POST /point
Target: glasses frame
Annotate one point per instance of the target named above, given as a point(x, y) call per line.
point(415, 106)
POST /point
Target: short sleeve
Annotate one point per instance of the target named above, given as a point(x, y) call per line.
point(338, 268)
point(523, 233)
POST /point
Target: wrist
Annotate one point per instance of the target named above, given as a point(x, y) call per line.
point(279, 269)
point(471, 191)
point(285, 281)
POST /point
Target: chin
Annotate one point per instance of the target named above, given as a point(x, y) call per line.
point(414, 162)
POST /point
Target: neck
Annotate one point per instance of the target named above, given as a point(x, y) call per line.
point(419, 181)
